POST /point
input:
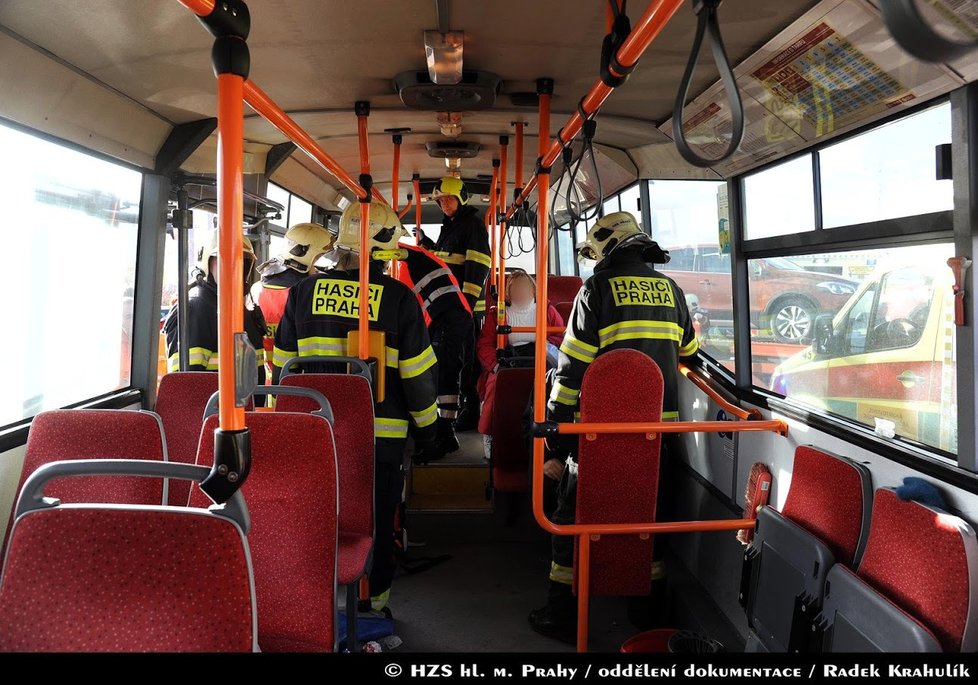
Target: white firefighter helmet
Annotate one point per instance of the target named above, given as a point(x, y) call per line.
point(384, 231)
point(209, 249)
point(610, 233)
point(306, 244)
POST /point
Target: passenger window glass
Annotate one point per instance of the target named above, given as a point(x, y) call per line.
point(780, 200)
point(887, 172)
point(585, 268)
point(300, 211)
point(280, 195)
point(565, 251)
point(686, 222)
point(865, 335)
point(629, 201)
point(71, 266)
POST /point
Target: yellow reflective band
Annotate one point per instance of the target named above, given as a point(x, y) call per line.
point(641, 291)
point(689, 349)
point(476, 256)
point(415, 366)
point(391, 357)
point(260, 355)
point(319, 346)
point(561, 574)
point(274, 287)
point(425, 417)
point(473, 289)
point(335, 297)
point(451, 258)
point(670, 415)
point(480, 306)
point(564, 395)
point(390, 428)
point(581, 351)
point(378, 602)
point(201, 356)
point(280, 356)
point(173, 363)
point(640, 329)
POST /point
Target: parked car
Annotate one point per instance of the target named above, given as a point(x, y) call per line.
point(783, 296)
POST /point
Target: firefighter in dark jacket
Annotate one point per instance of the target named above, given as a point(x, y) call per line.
point(626, 304)
point(463, 244)
point(305, 243)
point(202, 314)
point(449, 320)
point(321, 312)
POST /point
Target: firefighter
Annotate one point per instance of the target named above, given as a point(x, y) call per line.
point(320, 313)
point(604, 318)
point(449, 320)
point(463, 244)
point(306, 243)
point(202, 314)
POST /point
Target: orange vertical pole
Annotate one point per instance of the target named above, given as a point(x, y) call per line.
point(519, 154)
point(363, 323)
point(491, 227)
point(397, 165)
point(501, 209)
point(545, 88)
point(583, 589)
point(416, 179)
point(230, 241)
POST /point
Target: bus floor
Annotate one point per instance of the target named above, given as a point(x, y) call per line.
point(477, 599)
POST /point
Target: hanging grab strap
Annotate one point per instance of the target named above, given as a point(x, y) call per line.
point(706, 11)
point(913, 34)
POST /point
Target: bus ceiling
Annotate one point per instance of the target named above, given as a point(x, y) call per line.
point(122, 96)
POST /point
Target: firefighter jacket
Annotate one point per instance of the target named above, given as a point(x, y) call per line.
point(202, 331)
point(626, 304)
point(464, 245)
point(320, 312)
point(430, 279)
point(272, 293)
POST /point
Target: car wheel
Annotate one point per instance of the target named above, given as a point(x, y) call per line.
point(792, 319)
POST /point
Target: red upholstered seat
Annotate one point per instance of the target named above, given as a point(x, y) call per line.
point(292, 496)
point(69, 434)
point(79, 578)
point(829, 497)
point(353, 431)
point(924, 560)
point(563, 289)
point(510, 459)
point(564, 309)
point(180, 402)
point(618, 475)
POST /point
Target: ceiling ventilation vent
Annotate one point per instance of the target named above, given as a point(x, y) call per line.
point(476, 90)
point(454, 149)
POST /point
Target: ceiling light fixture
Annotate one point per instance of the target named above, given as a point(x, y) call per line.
point(450, 124)
point(444, 53)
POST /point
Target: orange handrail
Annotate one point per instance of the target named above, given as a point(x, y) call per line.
point(532, 329)
point(363, 321)
point(230, 241)
point(589, 429)
point(491, 228)
point(644, 31)
point(501, 202)
point(407, 208)
point(199, 7)
point(700, 382)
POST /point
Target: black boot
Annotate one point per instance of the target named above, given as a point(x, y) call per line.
point(558, 618)
point(468, 418)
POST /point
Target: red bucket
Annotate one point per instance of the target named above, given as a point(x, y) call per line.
point(649, 642)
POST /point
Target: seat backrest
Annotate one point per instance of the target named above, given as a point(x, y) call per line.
point(180, 403)
point(292, 497)
point(926, 562)
point(563, 288)
point(96, 434)
point(510, 458)
point(130, 578)
point(353, 431)
point(830, 497)
point(564, 309)
point(618, 475)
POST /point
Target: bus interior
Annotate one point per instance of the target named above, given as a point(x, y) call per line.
point(819, 205)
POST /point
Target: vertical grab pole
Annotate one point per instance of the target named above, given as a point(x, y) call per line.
point(416, 180)
point(362, 109)
point(491, 214)
point(501, 211)
point(397, 165)
point(519, 159)
point(545, 89)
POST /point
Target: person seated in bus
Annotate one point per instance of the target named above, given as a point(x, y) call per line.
point(305, 244)
point(202, 315)
point(464, 245)
point(449, 319)
point(521, 311)
point(320, 313)
point(626, 304)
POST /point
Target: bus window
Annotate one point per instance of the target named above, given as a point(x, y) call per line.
point(73, 262)
point(885, 351)
point(300, 211)
point(780, 200)
point(565, 251)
